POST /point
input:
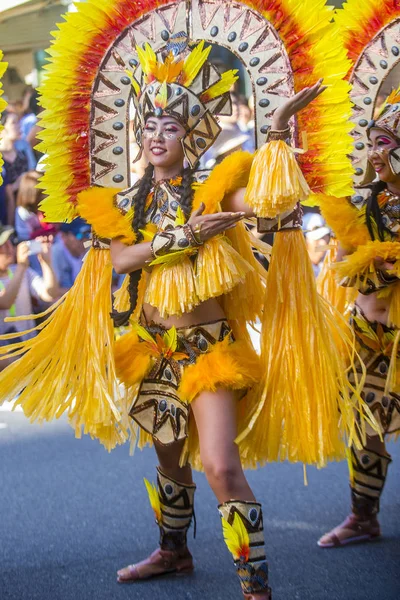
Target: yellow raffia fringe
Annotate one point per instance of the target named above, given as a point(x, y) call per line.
point(172, 288)
point(304, 409)
point(245, 302)
point(338, 296)
point(3, 103)
point(347, 221)
point(227, 365)
point(97, 206)
point(276, 182)
point(72, 363)
point(219, 268)
point(361, 262)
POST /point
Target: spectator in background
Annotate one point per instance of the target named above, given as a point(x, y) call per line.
point(317, 236)
point(245, 115)
point(68, 252)
point(18, 158)
point(29, 120)
point(27, 220)
point(19, 284)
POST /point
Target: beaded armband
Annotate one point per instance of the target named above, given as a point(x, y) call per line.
point(291, 219)
point(174, 240)
point(279, 134)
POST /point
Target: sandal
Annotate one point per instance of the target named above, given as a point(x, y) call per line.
point(351, 531)
point(160, 562)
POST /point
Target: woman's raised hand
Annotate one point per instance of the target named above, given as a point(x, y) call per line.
point(207, 226)
point(284, 113)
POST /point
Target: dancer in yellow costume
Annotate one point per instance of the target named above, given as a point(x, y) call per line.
point(189, 379)
point(367, 228)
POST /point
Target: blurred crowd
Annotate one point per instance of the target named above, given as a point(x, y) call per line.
point(40, 261)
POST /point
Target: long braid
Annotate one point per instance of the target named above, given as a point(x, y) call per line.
point(373, 212)
point(186, 199)
point(138, 222)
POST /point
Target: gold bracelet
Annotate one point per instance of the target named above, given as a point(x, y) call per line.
point(278, 134)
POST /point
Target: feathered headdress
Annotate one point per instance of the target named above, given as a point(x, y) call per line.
point(389, 114)
point(185, 86)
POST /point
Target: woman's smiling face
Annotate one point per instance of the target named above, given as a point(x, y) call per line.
point(162, 141)
point(380, 143)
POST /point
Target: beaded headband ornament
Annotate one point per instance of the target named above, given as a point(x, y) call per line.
point(389, 115)
point(183, 85)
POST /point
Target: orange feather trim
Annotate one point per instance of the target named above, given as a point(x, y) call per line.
point(133, 359)
point(227, 365)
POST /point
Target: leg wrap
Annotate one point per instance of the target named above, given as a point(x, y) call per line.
point(177, 510)
point(368, 475)
point(243, 533)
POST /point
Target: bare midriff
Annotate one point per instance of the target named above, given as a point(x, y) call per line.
point(206, 312)
point(374, 308)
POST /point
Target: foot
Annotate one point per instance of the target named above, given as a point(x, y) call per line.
point(352, 531)
point(159, 562)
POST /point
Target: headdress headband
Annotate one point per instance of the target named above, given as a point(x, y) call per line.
point(185, 86)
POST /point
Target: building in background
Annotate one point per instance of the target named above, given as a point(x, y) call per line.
point(25, 33)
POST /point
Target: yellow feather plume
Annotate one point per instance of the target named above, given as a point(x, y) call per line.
point(236, 538)
point(161, 100)
point(147, 58)
point(97, 206)
point(193, 63)
point(221, 87)
point(154, 499)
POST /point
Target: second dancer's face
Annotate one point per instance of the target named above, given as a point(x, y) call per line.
point(380, 143)
point(162, 142)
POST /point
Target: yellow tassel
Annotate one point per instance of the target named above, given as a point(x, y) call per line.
point(303, 408)
point(276, 182)
point(229, 365)
point(394, 306)
point(97, 206)
point(347, 221)
point(172, 289)
point(236, 538)
point(154, 499)
point(219, 268)
point(72, 358)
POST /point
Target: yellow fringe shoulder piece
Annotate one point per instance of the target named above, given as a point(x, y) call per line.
point(231, 174)
point(172, 288)
point(97, 206)
point(340, 297)
point(361, 262)
point(219, 268)
point(133, 359)
point(347, 221)
point(303, 409)
point(276, 182)
point(74, 364)
point(229, 365)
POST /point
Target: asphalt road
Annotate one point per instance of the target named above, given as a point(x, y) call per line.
point(71, 515)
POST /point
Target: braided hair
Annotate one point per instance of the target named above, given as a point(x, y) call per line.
point(139, 222)
point(373, 215)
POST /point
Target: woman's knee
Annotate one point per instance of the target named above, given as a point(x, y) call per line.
point(223, 474)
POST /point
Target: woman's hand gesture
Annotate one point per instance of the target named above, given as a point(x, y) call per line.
point(207, 226)
point(296, 103)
